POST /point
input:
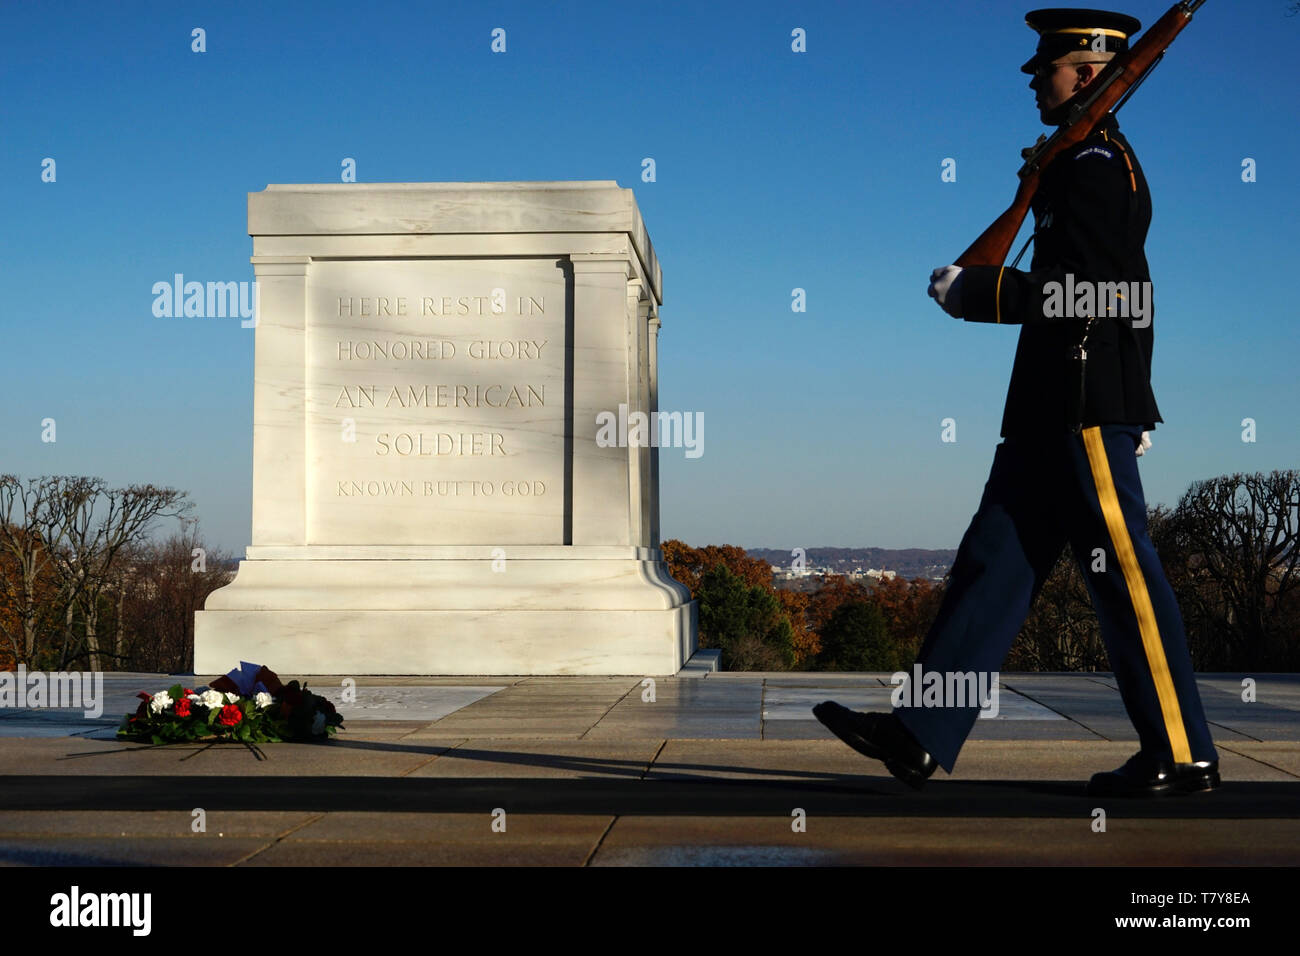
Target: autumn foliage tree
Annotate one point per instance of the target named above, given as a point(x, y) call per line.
point(1230, 549)
point(836, 591)
point(735, 613)
point(856, 639)
point(902, 608)
point(756, 626)
point(807, 642)
point(688, 564)
point(745, 620)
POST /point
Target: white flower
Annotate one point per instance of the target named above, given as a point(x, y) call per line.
point(211, 699)
point(192, 697)
point(318, 723)
point(263, 699)
point(232, 698)
point(160, 702)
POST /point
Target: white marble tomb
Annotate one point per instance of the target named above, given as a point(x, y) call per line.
point(428, 493)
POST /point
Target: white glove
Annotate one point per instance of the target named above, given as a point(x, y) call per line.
point(945, 288)
point(1144, 444)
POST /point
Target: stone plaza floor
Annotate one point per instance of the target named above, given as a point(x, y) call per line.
point(718, 769)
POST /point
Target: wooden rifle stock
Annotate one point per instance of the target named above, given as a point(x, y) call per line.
point(1120, 76)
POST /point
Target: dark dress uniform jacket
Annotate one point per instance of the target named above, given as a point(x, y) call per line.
point(1091, 214)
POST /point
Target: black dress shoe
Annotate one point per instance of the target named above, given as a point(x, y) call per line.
point(1144, 776)
point(882, 737)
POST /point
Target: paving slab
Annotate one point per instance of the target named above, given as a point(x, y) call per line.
point(569, 759)
point(379, 729)
point(984, 729)
point(56, 723)
point(398, 680)
point(1272, 717)
point(786, 702)
point(979, 760)
point(1079, 760)
point(49, 756)
point(901, 841)
point(560, 728)
point(795, 677)
point(1255, 726)
point(759, 760)
point(590, 772)
point(413, 702)
point(454, 827)
point(196, 850)
point(150, 823)
point(1089, 703)
point(1022, 729)
point(1283, 755)
point(416, 839)
point(691, 708)
point(413, 853)
point(1277, 690)
point(680, 725)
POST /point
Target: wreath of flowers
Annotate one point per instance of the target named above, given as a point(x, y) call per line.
point(249, 705)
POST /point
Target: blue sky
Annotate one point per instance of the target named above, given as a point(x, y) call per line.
point(775, 170)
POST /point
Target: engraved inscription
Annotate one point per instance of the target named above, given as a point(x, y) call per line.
point(442, 396)
point(412, 398)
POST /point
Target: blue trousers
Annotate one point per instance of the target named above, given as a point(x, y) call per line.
point(1085, 490)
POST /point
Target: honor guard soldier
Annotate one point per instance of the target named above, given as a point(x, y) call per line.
point(1077, 412)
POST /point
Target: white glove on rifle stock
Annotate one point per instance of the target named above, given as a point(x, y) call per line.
point(945, 288)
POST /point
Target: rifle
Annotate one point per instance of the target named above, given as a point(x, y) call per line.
point(1112, 88)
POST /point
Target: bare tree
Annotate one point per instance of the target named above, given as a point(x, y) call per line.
point(86, 562)
point(166, 583)
point(1061, 631)
point(1235, 548)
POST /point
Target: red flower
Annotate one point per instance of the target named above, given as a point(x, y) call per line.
point(230, 715)
point(183, 707)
